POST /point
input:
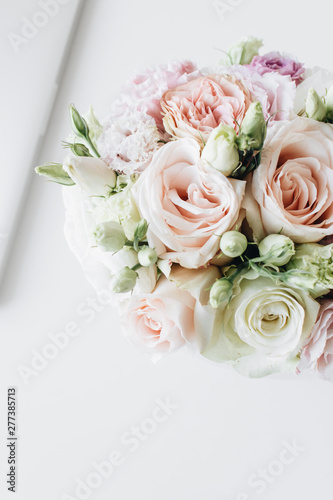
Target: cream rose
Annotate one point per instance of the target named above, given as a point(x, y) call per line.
point(173, 315)
point(197, 107)
point(262, 328)
point(187, 205)
point(293, 186)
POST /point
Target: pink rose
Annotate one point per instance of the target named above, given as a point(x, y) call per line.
point(293, 186)
point(187, 205)
point(318, 352)
point(196, 108)
point(174, 314)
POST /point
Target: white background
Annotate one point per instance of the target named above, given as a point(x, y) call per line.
point(74, 411)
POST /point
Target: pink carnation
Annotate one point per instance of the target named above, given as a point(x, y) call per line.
point(318, 353)
point(144, 91)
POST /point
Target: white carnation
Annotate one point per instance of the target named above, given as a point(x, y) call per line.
point(129, 141)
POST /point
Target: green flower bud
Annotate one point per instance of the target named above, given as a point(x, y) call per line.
point(233, 243)
point(221, 150)
point(276, 249)
point(78, 149)
point(329, 104)
point(253, 129)
point(244, 51)
point(140, 230)
point(55, 172)
point(314, 106)
point(110, 236)
point(124, 281)
point(147, 257)
point(79, 125)
point(220, 292)
point(95, 128)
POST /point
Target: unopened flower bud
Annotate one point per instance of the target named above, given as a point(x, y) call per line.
point(95, 128)
point(329, 104)
point(221, 150)
point(276, 249)
point(93, 175)
point(79, 149)
point(141, 230)
point(110, 236)
point(220, 292)
point(244, 51)
point(253, 129)
point(147, 257)
point(233, 243)
point(314, 106)
point(124, 281)
point(79, 125)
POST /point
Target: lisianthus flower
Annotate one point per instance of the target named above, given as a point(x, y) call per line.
point(278, 63)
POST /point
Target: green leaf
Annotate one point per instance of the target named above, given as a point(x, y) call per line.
point(54, 172)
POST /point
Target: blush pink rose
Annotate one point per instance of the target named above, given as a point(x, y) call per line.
point(318, 353)
point(173, 315)
point(196, 108)
point(187, 205)
point(293, 186)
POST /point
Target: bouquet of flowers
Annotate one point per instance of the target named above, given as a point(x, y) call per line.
point(202, 206)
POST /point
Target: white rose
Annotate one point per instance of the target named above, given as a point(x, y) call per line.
point(263, 327)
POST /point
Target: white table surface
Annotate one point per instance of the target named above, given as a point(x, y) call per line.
point(74, 411)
